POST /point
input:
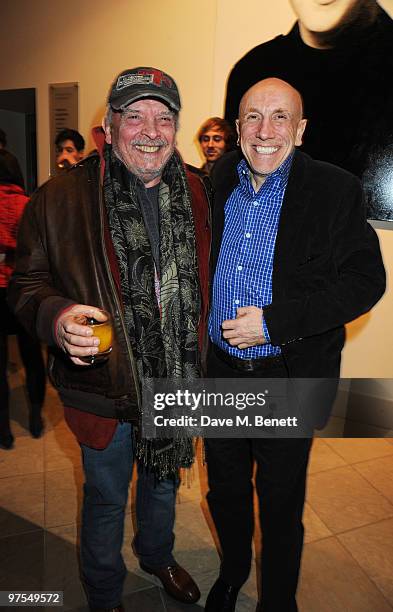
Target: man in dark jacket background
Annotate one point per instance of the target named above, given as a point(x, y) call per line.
point(128, 235)
point(70, 148)
point(11, 161)
point(339, 55)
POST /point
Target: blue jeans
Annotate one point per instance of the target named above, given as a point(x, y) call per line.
point(107, 476)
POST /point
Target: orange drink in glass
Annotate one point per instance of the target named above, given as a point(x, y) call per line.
point(102, 330)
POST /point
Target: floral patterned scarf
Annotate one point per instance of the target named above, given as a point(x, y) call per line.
point(161, 307)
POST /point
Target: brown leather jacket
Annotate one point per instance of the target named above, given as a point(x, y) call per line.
point(65, 256)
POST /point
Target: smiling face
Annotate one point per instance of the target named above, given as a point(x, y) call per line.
point(143, 136)
point(270, 125)
point(213, 144)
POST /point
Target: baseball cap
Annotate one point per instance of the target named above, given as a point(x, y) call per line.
point(136, 83)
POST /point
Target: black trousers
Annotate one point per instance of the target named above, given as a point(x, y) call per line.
point(30, 352)
point(280, 484)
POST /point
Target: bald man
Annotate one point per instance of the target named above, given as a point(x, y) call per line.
point(293, 260)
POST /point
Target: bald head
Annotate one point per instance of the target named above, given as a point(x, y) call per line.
point(277, 88)
point(270, 125)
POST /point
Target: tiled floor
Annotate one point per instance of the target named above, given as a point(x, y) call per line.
point(348, 556)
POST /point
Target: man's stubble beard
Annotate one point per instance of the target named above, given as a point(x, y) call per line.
point(146, 176)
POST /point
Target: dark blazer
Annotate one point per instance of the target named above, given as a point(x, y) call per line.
point(327, 267)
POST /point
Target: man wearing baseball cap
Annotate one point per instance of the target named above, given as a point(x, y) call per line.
point(123, 232)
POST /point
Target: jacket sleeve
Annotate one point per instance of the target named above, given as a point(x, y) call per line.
point(201, 192)
point(31, 291)
point(359, 278)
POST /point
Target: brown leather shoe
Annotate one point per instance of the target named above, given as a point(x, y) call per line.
point(176, 581)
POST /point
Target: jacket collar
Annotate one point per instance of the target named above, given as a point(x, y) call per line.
point(294, 206)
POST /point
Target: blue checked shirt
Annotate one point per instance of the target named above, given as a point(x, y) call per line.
point(244, 270)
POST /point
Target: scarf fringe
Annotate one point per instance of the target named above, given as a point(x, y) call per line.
point(165, 461)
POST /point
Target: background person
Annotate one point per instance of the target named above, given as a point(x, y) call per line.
point(12, 163)
point(70, 148)
point(215, 136)
point(12, 203)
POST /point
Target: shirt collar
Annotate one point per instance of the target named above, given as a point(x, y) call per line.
point(282, 171)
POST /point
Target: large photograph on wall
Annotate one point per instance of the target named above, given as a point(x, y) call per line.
point(339, 55)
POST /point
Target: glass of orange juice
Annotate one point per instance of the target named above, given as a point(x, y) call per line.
point(102, 330)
